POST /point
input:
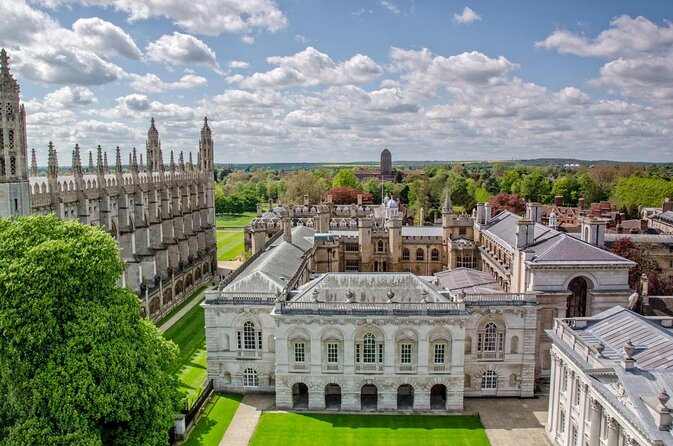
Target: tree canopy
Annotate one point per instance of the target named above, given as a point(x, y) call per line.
point(78, 365)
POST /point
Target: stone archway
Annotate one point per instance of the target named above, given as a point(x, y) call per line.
point(576, 305)
point(369, 397)
point(333, 397)
point(299, 396)
point(405, 397)
point(438, 397)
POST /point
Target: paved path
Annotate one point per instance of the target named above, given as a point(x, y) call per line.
point(512, 421)
point(243, 424)
point(176, 317)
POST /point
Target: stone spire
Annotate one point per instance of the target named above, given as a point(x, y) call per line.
point(7, 82)
point(100, 168)
point(161, 161)
point(172, 163)
point(181, 161)
point(448, 206)
point(76, 162)
point(206, 157)
point(33, 164)
point(142, 164)
point(118, 161)
point(153, 146)
point(90, 170)
point(52, 163)
point(106, 168)
point(191, 163)
point(134, 161)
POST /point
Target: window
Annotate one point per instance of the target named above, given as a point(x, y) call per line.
point(578, 392)
point(249, 338)
point(250, 378)
point(440, 354)
point(405, 353)
point(465, 260)
point(566, 375)
point(435, 255)
point(462, 231)
point(420, 255)
point(352, 265)
point(562, 420)
point(352, 247)
point(575, 439)
point(380, 247)
point(489, 336)
point(332, 353)
point(369, 348)
point(489, 380)
point(491, 341)
point(299, 352)
point(405, 255)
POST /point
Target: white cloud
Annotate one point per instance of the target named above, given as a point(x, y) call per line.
point(210, 17)
point(467, 16)
point(626, 37)
point(135, 102)
point(649, 78)
point(247, 39)
point(238, 64)
point(67, 96)
point(311, 67)
point(300, 39)
point(151, 83)
point(181, 49)
point(390, 6)
point(104, 37)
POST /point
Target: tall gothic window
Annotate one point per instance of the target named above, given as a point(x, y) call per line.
point(435, 255)
point(420, 255)
point(405, 255)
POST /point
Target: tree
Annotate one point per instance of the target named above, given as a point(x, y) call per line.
point(348, 195)
point(346, 178)
point(304, 183)
point(639, 191)
point(507, 202)
point(569, 188)
point(78, 364)
point(645, 262)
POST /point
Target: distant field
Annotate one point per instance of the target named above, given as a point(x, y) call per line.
point(229, 244)
point(282, 429)
point(235, 220)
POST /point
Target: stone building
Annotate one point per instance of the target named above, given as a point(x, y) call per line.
point(611, 378)
point(163, 217)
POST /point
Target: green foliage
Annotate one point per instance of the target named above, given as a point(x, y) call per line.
point(346, 178)
point(569, 188)
point(78, 365)
point(304, 183)
point(642, 191)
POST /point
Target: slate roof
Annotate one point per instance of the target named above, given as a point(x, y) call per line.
point(470, 281)
point(421, 231)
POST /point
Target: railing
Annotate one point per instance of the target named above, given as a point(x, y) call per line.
point(369, 368)
point(241, 298)
point(355, 308)
point(248, 354)
point(491, 355)
point(189, 416)
point(498, 298)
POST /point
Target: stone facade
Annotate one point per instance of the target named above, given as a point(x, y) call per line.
point(163, 217)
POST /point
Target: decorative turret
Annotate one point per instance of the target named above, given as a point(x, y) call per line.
point(118, 161)
point(172, 163)
point(181, 162)
point(33, 164)
point(90, 170)
point(141, 164)
point(153, 148)
point(206, 156)
point(100, 168)
point(76, 162)
point(52, 162)
point(106, 168)
point(190, 164)
point(134, 161)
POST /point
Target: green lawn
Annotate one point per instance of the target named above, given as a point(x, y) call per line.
point(235, 220)
point(284, 429)
point(214, 422)
point(185, 302)
point(190, 336)
point(229, 244)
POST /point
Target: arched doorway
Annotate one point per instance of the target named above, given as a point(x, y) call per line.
point(405, 397)
point(333, 396)
point(577, 302)
point(299, 396)
point(438, 397)
point(369, 397)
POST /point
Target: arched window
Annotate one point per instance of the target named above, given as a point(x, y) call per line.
point(250, 378)
point(369, 348)
point(420, 255)
point(249, 338)
point(489, 380)
point(491, 341)
point(369, 354)
point(405, 255)
point(435, 255)
point(380, 247)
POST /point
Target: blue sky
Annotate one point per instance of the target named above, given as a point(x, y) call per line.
point(338, 81)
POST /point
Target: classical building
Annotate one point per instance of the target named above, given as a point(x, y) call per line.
point(611, 378)
point(163, 217)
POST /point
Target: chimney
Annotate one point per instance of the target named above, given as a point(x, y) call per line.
point(664, 418)
point(270, 205)
point(488, 209)
point(667, 205)
point(592, 231)
point(421, 217)
point(306, 202)
point(329, 198)
point(287, 229)
point(645, 290)
point(259, 209)
point(581, 204)
point(558, 200)
point(628, 362)
point(534, 212)
point(480, 213)
point(643, 225)
point(359, 199)
point(525, 233)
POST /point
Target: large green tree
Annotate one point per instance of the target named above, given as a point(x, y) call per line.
point(346, 178)
point(78, 365)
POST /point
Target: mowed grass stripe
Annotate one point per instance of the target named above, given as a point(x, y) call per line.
point(284, 429)
point(234, 220)
point(229, 244)
point(215, 420)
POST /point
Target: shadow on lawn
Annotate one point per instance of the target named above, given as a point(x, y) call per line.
point(427, 422)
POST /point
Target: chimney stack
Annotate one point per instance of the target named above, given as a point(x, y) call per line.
point(558, 200)
point(667, 205)
point(488, 210)
point(287, 229)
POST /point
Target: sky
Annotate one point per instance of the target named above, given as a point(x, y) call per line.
point(337, 81)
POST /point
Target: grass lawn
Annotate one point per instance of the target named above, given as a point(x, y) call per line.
point(284, 429)
point(190, 336)
point(229, 244)
point(235, 220)
point(172, 313)
point(214, 422)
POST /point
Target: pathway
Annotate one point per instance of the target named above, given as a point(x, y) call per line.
point(177, 316)
point(510, 421)
point(243, 424)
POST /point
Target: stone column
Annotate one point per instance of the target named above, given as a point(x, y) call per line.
point(557, 368)
point(595, 422)
point(421, 398)
point(316, 398)
point(613, 432)
point(350, 399)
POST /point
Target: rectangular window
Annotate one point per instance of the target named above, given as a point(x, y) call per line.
point(578, 392)
point(565, 380)
point(352, 265)
point(238, 340)
point(380, 353)
point(405, 353)
point(501, 342)
point(575, 437)
point(562, 419)
point(357, 352)
point(299, 352)
point(332, 353)
point(352, 247)
point(440, 350)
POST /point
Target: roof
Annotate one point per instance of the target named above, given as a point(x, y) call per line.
point(470, 281)
point(641, 238)
point(369, 287)
point(422, 231)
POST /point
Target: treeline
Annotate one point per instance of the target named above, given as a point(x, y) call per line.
point(630, 186)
